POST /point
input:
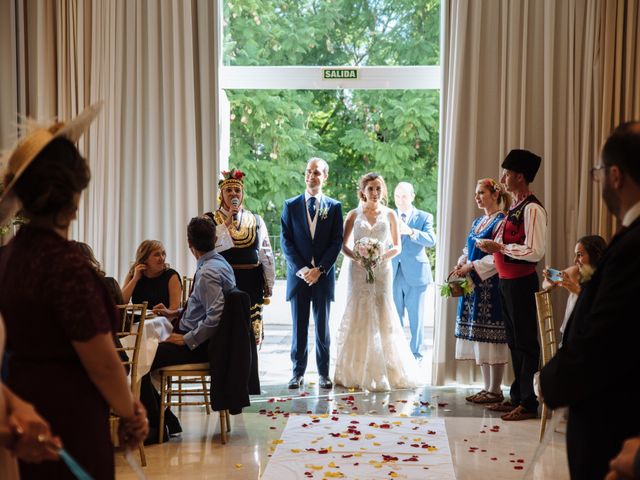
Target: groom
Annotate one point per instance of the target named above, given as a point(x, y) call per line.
point(311, 238)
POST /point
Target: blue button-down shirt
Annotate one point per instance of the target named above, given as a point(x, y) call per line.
point(213, 278)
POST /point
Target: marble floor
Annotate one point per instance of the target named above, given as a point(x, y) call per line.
point(479, 450)
point(482, 446)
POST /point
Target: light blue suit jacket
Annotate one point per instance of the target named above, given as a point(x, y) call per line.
point(415, 263)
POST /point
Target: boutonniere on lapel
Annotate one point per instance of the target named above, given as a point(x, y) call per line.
point(323, 213)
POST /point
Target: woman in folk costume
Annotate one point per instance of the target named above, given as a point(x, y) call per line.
point(243, 240)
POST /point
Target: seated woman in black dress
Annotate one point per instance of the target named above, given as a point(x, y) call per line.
point(151, 280)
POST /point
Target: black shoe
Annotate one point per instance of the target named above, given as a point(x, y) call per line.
point(152, 437)
point(325, 382)
point(296, 382)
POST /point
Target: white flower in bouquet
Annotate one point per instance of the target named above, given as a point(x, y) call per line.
point(368, 250)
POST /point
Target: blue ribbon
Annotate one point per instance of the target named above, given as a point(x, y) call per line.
point(79, 472)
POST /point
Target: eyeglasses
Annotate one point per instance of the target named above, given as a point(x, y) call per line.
point(595, 172)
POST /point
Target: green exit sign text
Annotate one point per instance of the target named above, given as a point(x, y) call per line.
point(339, 73)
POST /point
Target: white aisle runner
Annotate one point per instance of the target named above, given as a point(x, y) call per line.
point(361, 447)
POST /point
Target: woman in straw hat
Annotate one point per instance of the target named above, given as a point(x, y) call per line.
point(59, 315)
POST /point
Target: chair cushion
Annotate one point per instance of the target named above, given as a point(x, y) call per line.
point(186, 366)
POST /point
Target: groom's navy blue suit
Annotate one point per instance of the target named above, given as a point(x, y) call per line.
point(300, 249)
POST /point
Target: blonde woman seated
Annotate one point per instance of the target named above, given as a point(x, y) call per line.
point(588, 252)
point(151, 280)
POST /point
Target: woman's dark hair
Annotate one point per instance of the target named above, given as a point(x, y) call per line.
point(201, 233)
point(595, 246)
point(87, 251)
point(49, 183)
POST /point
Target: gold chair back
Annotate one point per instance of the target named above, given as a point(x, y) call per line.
point(546, 325)
point(131, 323)
point(186, 288)
point(132, 318)
point(548, 341)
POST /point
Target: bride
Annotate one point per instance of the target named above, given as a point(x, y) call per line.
point(373, 353)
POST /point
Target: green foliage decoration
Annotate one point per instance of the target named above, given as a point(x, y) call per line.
point(274, 132)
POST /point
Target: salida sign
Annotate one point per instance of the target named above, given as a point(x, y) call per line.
point(339, 73)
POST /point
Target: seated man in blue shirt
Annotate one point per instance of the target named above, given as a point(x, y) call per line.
point(195, 323)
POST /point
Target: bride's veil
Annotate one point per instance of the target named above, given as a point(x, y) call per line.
point(342, 293)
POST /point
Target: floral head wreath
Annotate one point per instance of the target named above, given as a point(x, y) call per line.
point(491, 183)
point(232, 177)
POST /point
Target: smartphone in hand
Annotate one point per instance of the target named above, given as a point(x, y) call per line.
point(554, 275)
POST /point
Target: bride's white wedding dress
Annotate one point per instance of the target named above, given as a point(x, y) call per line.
point(373, 353)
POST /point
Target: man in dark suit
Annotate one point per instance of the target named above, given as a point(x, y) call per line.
point(598, 363)
point(311, 239)
point(411, 269)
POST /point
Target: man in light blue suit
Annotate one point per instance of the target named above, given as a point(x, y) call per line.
point(311, 239)
point(411, 269)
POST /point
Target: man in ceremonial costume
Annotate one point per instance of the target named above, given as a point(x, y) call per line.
point(243, 241)
point(518, 247)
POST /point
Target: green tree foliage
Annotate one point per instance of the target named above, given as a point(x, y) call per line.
point(273, 133)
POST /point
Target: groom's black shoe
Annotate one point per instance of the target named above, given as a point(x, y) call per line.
point(296, 382)
point(325, 382)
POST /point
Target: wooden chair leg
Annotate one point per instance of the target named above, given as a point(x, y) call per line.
point(543, 421)
point(228, 420)
point(180, 393)
point(206, 394)
point(223, 426)
point(143, 457)
point(163, 403)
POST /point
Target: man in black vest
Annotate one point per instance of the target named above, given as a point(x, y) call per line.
point(598, 363)
point(519, 246)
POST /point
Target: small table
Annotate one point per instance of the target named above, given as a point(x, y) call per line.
point(156, 330)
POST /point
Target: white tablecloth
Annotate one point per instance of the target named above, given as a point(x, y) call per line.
point(156, 330)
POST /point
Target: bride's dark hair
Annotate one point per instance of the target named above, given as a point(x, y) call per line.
point(369, 177)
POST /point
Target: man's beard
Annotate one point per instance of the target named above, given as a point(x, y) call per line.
point(610, 199)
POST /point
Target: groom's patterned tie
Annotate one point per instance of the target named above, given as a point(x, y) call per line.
point(312, 207)
point(403, 216)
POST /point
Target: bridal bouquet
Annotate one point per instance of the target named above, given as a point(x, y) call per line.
point(368, 250)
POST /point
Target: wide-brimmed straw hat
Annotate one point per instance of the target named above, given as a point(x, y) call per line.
point(32, 144)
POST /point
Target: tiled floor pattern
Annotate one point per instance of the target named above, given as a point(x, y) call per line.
point(482, 446)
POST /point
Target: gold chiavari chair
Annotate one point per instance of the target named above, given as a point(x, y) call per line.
point(186, 289)
point(187, 283)
point(132, 318)
point(549, 345)
point(172, 375)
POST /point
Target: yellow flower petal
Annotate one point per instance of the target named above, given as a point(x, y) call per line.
point(296, 450)
point(369, 436)
point(238, 465)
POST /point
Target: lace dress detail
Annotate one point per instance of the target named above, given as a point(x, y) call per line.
point(373, 353)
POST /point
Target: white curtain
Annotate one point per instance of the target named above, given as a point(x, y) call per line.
point(532, 74)
point(153, 149)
